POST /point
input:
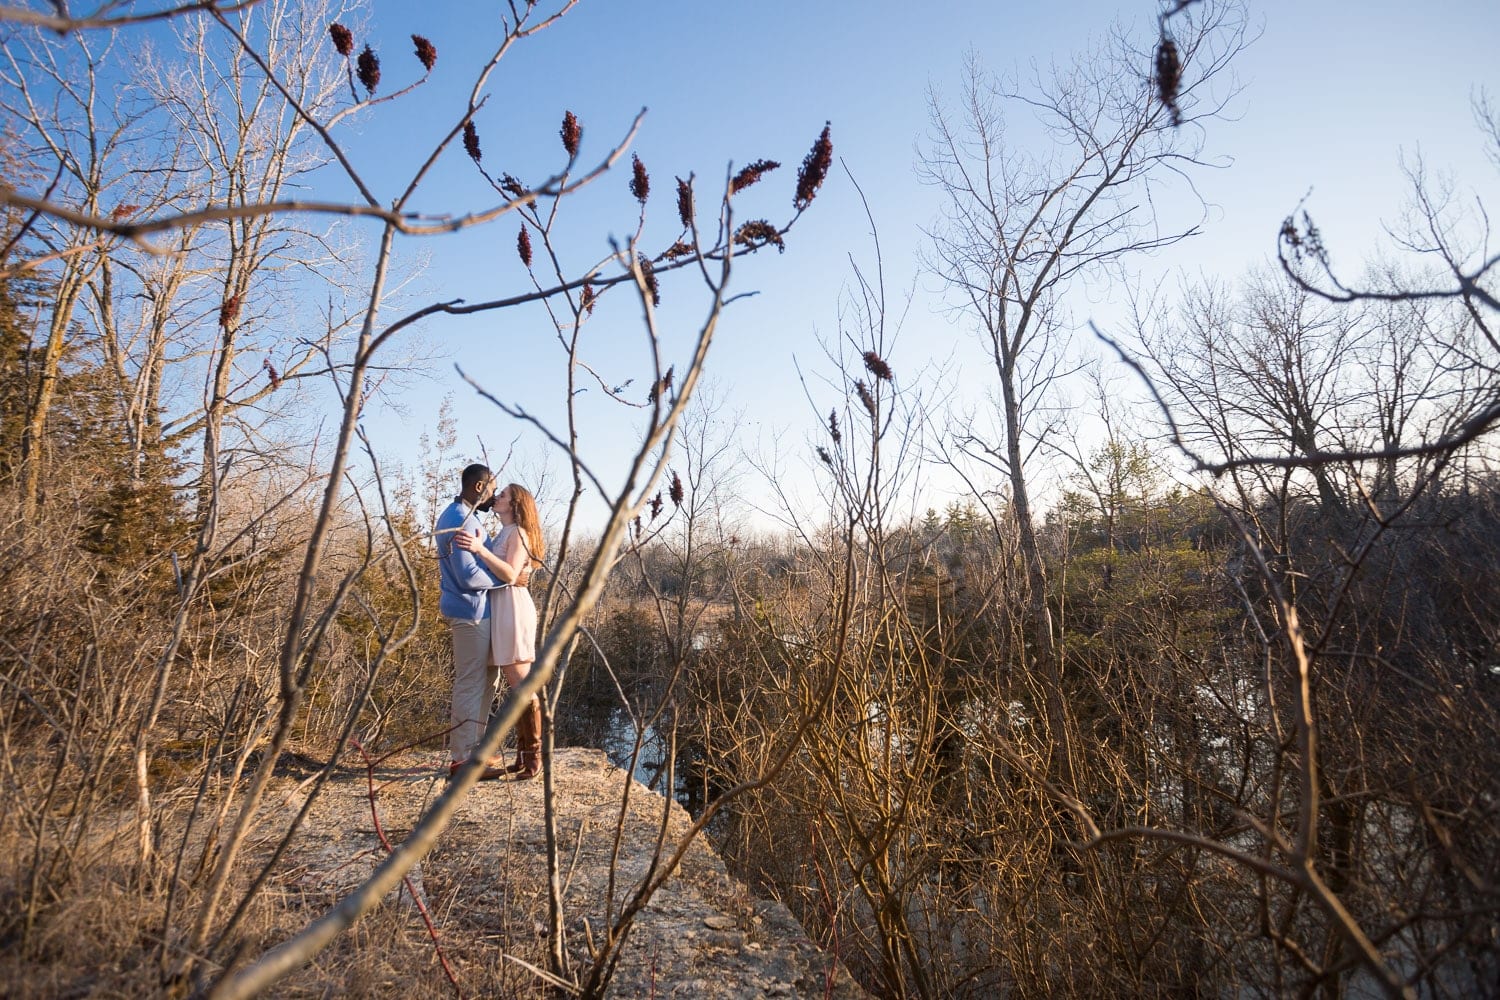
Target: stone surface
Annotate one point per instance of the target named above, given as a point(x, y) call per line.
point(485, 886)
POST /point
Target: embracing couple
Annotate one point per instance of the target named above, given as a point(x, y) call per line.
point(490, 614)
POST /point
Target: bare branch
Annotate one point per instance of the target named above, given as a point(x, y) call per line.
point(101, 19)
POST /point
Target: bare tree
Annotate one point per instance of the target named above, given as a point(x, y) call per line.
point(1020, 229)
point(49, 85)
point(248, 145)
point(1451, 241)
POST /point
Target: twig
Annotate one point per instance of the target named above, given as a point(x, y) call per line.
point(437, 945)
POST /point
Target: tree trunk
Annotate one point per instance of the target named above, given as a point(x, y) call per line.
point(49, 363)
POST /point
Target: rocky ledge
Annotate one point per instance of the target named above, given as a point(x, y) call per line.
point(485, 887)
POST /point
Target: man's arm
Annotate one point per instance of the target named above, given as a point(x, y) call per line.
point(467, 572)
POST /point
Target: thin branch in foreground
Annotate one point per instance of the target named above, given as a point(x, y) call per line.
point(63, 24)
point(416, 897)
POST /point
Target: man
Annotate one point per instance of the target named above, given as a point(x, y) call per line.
point(465, 604)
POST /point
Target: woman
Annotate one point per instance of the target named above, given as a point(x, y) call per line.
point(511, 556)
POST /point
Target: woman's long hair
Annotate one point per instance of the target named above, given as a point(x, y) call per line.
point(523, 509)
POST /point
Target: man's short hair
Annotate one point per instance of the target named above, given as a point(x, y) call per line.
point(476, 474)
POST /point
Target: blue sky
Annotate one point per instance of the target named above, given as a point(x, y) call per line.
point(1330, 101)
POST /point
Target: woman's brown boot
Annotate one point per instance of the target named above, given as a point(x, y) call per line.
point(528, 742)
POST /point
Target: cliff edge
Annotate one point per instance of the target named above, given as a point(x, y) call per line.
point(485, 886)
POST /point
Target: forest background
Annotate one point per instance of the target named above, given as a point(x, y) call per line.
point(1117, 624)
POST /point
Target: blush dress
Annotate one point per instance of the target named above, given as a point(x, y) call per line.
point(512, 611)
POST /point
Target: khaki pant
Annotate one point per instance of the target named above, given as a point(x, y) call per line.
point(475, 684)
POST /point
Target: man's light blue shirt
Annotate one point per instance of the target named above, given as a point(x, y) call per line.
point(466, 583)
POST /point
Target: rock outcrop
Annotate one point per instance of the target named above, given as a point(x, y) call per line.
point(702, 935)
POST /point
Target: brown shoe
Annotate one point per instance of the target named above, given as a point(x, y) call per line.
point(493, 768)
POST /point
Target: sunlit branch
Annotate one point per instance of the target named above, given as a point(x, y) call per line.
point(100, 20)
point(407, 223)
